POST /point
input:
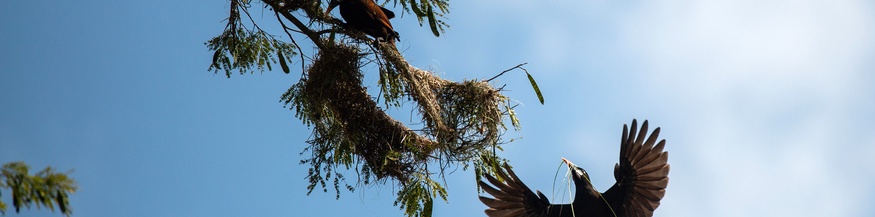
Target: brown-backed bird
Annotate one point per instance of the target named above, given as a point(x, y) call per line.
point(641, 175)
point(366, 16)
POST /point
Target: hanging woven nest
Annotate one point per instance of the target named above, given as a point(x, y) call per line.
point(463, 120)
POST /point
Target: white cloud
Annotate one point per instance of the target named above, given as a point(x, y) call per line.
point(771, 84)
point(760, 100)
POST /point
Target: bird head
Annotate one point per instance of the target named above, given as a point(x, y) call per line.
point(331, 5)
point(580, 178)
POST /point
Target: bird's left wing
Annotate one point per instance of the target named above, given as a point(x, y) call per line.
point(512, 197)
point(378, 13)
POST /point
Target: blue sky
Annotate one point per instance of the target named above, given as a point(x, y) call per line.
point(767, 106)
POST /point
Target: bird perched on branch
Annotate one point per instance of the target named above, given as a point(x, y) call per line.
point(366, 16)
point(641, 175)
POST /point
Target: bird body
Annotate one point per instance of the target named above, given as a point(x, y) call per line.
point(366, 16)
point(642, 176)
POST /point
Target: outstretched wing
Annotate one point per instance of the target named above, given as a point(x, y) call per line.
point(642, 173)
point(512, 197)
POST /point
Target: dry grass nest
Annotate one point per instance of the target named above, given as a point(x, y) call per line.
point(463, 120)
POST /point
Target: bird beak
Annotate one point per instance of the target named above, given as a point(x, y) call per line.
point(572, 167)
point(331, 6)
point(568, 162)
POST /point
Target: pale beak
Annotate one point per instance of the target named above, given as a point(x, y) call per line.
point(568, 162)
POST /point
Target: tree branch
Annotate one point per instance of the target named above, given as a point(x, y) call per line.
point(502, 72)
point(303, 28)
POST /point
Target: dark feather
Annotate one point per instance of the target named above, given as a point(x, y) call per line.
point(641, 174)
point(388, 13)
point(368, 17)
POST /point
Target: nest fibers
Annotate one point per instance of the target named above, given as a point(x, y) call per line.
point(462, 120)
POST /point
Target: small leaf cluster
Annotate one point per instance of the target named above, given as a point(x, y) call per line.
point(463, 121)
point(244, 50)
point(247, 49)
point(46, 188)
point(430, 11)
point(417, 199)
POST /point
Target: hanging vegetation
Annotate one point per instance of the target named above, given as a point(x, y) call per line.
point(462, 121)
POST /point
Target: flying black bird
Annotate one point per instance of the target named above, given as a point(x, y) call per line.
point(367, 16)
point(641, 175)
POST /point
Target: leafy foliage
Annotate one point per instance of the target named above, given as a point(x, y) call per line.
point(46, 188)
point(247, 48)
point(463, 121)
point(430, 11)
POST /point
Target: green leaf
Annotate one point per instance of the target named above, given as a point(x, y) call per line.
point(283, 61)
point(427, 207)
point(216, 58)
point(535, 86)
point(61, 199)
point(416, 10)
point(39, 189)
point(432, 22)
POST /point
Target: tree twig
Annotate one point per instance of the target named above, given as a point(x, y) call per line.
point(286, 29)
point(502, 73)
point(307, 31)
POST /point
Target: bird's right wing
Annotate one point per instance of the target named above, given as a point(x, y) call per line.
point(642, 174)
point(512, 197)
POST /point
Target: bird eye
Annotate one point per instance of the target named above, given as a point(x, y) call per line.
point(582, 171)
